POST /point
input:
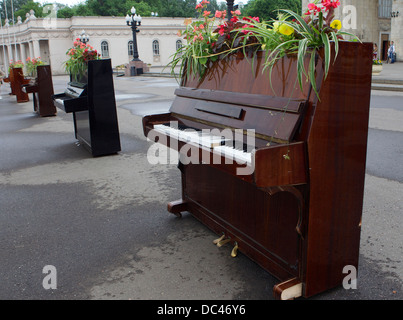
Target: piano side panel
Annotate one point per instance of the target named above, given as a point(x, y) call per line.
point(45, 92)
point(337, 145)
point(103, 120)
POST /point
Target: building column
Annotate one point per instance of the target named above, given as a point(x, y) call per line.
point(396, 34)
point(22, 52)
point(31, 49)
point(36, 49)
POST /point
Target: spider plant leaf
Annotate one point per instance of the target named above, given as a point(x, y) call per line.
point(302, 50)
point(306, 27)
point(336, 45)
point(326, 43)
point(312, 65)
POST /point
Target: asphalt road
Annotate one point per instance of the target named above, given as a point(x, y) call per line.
point(103, 224)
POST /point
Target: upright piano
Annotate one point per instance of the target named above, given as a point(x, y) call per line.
point(17, 81)
point(41, 88)
point(92, 103)
point(286, 188)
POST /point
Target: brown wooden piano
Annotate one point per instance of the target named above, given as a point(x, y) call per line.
point(291, 200)
point(42, 91)
point(17, 80)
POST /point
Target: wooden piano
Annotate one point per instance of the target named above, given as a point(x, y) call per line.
point(17, 80)
point(42, 91)
point(92, 103)
point(291, 200)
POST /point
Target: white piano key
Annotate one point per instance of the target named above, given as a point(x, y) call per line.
point(237, 155)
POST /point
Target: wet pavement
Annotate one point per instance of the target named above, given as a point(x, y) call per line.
point(103, 223)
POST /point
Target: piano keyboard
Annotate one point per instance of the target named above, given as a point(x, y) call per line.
point(60, 101)
point(191, 136)
point(216, 143)
point(240, 156)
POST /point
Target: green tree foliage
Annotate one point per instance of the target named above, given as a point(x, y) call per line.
point(17, 5)
point(267, 9)
point(27, 7)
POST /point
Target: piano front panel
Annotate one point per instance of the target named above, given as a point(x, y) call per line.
point(275, 126)
point(236, 73)
point(264, 225)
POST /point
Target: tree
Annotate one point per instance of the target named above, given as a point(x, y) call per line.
point(143, 8)
point(267, 9)
point(27, 7)
point(64, 11)
point(17, 5)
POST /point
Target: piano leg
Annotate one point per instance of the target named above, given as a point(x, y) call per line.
point(178, 206)
point(288, 290)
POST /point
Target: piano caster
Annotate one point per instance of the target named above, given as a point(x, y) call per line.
point(178, 206)
point(234, 251)
point(288, 290)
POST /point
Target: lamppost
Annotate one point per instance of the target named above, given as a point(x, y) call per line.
point(230, 7)
point(134, 21)
point(84, 38)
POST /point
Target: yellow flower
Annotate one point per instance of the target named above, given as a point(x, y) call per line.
point(336, 24)
point(285, 29)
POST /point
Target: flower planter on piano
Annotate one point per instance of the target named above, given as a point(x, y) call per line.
point(297, 208)
point(93, 107)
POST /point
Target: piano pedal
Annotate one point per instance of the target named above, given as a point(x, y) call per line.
point(219, 239)
point(222, 242)
point(234, 251)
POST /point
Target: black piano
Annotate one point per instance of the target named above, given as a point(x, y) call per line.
point(291, 198)
point(92, 103)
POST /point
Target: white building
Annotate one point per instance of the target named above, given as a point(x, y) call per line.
point(51, 38)
point(377, 21)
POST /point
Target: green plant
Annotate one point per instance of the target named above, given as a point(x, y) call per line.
point(31, 64)
point(79, 55)
point(207, 40)
point(293, 34)
point(289, 34)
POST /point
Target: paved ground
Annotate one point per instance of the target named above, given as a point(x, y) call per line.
point(102, 222)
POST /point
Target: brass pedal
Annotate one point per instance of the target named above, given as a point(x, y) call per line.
point(222, 242)
point(219, 239)
point(234, 251)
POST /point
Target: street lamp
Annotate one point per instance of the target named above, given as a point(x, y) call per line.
point(84, 38)
point(230, 7)
point(134, 21)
